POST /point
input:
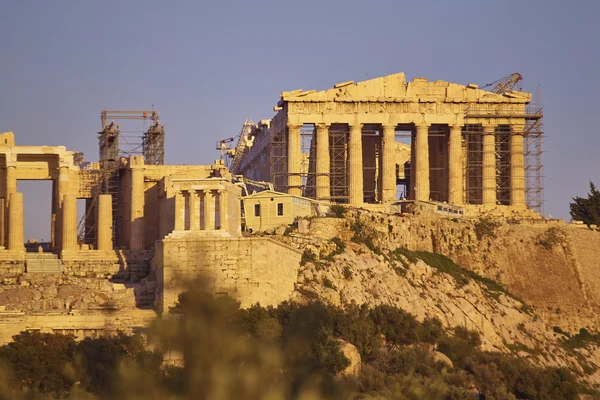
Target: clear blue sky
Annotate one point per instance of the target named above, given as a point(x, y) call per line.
point(207, 66)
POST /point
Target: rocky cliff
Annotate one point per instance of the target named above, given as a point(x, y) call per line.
point(521, 286)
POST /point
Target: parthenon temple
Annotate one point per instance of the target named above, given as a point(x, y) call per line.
point(385, 139)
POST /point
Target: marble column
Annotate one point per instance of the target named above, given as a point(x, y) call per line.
point(60, 187)
point(355, 171)
point(294, 160)
point(455, 166)
point(11, 180)
point(209, 223)
point(422, 185)
point(517, 167)
point(136, 218)
point(388, 164)
point(104, 222)
point(69, 223)
point(2, 222)
point(223, 216)
point(10, 188)
point(194, 210)
point(15, 222)
point(489, 165)
point(179, 224)
point(323, 162)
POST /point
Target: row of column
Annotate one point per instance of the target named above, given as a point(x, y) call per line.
point(489, 175)
point(194, 199)
point(322, 167)
point(420, 162)
point(103, 221)
point(456, 166)
point(59, 188)
point(69, 222)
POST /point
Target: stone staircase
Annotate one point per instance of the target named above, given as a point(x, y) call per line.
point(42, 263)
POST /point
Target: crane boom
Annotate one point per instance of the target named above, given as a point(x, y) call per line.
point(505, 84)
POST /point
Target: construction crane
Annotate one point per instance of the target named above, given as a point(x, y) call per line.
point(244, 182)
point(506, 84)
point(227, 152)
point(244, 142)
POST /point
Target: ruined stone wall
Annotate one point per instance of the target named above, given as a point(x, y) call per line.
point(134, 264)
point(256, 270)
point(72, 305)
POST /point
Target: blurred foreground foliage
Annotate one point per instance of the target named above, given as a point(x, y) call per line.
point(288, 352)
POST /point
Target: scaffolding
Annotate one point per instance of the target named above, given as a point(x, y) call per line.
point(534, 168)
point(153, 145)
point(338, 163)
point(115, 143)
point(338, 147)
point(473, 146)
point(130, 143)
point(278, 160)
point(533, 150)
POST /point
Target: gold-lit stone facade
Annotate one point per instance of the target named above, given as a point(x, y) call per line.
point(339, 144)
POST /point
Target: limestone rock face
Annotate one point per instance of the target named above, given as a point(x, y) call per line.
point(351, 353)
point(303, 226)
point(356, 274)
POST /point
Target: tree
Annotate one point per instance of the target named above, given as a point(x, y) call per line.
point(587, 209)
point(39, 361)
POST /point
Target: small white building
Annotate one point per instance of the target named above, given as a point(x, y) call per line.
point(270, 209)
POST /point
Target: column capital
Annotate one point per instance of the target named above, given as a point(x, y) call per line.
point(294, 125)
point(517, 129)
point(206, 191)
point(456, 126)
point(355, 125)
point(389, 125)
point(322, 125)
point(489, 129)
point(422, 125)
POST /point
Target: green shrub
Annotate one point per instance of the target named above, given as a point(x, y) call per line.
point(338, 210)
point(291, 228)
point(408, 255)
point(340, 247)
point(551, 237)
point(581, 340)
point(362, 234)
point(308, 256)
point(557, 329)
point(486, 227)
point(328, 284)
point(347, 272)
point(446, 265)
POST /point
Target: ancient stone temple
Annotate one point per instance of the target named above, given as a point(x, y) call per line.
point(375, 141)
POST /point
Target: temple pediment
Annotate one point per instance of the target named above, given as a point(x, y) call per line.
point(394, 88)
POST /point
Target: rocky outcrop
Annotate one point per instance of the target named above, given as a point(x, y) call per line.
point(551, 265)
point(352, 354)
point(530, 260)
